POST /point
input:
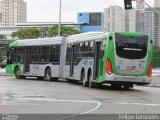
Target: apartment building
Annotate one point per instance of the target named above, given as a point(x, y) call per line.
point(12, 12)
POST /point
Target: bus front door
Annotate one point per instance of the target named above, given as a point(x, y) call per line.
point(96, 59)
point(27, 59)
point(72, 61)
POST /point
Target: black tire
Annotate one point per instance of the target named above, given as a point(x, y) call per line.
point(91, 83)
point(127, 86)
point(40, 78)
point(55, 79)
point(84, 81)
point(116, 86)
point(48, 75)
point(17, 73)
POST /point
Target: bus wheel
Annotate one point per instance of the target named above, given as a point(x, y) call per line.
point(17, 73)
point(40, 78)
point(116, 86)
point(84, 82)
point(91, 83)
point(48, 74)
point(127, 86)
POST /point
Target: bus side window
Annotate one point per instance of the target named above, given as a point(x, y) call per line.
point(68, 54)
point(86, 48)
point(91, 51)
point(35, 54)
point(55, 54)
point(44, 53)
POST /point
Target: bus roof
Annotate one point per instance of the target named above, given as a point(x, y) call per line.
point(37, 42)
point(85, 37)
point(88, 36)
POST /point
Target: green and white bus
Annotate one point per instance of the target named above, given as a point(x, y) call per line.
point(120, 59)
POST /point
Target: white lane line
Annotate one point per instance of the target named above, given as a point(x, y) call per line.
point(75, 101)
point(143, 104)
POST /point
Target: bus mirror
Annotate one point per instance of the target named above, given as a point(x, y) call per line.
point(110, 37)
point(151, 41)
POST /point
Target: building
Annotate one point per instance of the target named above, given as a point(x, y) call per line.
point(152, 25)
point(92, 21)
point(156, 3)
point(114, 19)
point(12, 12)
point(134, 20)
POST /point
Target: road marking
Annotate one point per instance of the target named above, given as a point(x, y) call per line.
point(75, 101)
point(143, 104)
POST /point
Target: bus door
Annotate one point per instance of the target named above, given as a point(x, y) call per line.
point(72, 60)
point(27, 59)
point(98, 63)
point(96, 59)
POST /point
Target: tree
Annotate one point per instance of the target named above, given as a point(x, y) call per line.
point(2, 36)
point(64, 31)
point(28, 33)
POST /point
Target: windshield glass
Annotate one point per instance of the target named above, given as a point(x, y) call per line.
point(131, 47)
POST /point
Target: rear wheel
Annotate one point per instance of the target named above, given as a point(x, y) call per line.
point(48, 74)
point(127, 86)
point(91, 83)
point(40, 78)
point(116, 86)
point(84, 81)
point(17, 73)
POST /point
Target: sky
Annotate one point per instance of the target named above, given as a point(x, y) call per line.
point(48, 10)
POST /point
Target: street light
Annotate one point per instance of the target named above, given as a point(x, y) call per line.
point(59, 24)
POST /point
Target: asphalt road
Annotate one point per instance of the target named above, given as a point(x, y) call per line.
point(31, 96)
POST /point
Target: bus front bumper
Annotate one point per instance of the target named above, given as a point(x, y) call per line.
point(131, 79)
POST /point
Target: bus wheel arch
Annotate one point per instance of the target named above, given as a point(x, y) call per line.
point(83, 78)
point(47, 74)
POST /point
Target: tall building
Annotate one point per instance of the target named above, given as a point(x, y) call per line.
point(12, 12)
point(156, 3)
point(152, 25)
point(134, 20)
point(92, 21)
point(114, 19)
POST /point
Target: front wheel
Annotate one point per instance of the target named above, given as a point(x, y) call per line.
point(48, 74)
point(17, 73)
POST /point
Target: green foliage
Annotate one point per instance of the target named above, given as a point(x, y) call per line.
point(156, 58)
point(64, 31)
point(2, 36)
point(29, 33)
point(157, 52)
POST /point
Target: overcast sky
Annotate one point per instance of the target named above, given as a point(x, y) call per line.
point(48, 10)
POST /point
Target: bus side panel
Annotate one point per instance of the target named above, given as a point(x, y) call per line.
point(39, 70)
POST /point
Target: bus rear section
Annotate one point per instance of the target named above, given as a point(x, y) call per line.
point(131, 61)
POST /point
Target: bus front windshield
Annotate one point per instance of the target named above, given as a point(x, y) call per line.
point(131, 47)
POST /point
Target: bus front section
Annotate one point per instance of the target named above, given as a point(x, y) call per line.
point(130, 61)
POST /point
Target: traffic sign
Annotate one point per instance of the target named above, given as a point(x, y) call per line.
point(140, 4)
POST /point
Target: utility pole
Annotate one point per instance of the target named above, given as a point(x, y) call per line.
point(59, 23)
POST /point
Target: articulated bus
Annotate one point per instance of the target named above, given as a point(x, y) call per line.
point(94, 58)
